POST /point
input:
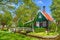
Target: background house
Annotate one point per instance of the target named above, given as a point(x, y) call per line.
point(43, 19)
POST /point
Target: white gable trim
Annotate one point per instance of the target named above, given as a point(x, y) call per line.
point(38, 12)
point(44, 15)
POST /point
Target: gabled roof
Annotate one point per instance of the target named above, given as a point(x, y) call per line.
point(48, 17)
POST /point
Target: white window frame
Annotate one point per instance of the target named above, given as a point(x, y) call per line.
point(37, 24)
point(44, 24)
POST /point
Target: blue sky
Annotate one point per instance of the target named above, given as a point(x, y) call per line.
point(42, 3)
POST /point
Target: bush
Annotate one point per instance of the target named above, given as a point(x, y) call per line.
point(39, 29)
point(58, 29)
point(5, 29)
point(53, 27)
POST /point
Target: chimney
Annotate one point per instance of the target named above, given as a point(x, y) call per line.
point(44, 8)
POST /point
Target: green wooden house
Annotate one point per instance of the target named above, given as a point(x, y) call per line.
point(42, 19)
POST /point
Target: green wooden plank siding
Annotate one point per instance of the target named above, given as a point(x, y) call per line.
point(42, 17)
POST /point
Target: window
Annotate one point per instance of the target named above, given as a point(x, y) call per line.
point(37, 24)
point(44, 24)
point(40, 16)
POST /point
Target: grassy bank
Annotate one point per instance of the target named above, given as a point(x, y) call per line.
point(4, 35)
point(44, 34)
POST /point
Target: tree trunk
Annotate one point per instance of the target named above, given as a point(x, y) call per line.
point(32, 27)
point(2, 27)
point(56, 29)
point(7, 27)
point(47, 29)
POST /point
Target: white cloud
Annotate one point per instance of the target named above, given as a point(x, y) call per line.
point(40, 2)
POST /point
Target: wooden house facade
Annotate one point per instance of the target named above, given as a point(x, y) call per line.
point(43, 19)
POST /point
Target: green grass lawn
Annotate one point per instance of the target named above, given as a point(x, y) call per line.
point(5, 35)
point(44, 34)
point(41, 32)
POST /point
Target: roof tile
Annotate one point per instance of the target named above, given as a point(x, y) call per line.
point(48, 17)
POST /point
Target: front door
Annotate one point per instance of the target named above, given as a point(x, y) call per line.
point(41, 24)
